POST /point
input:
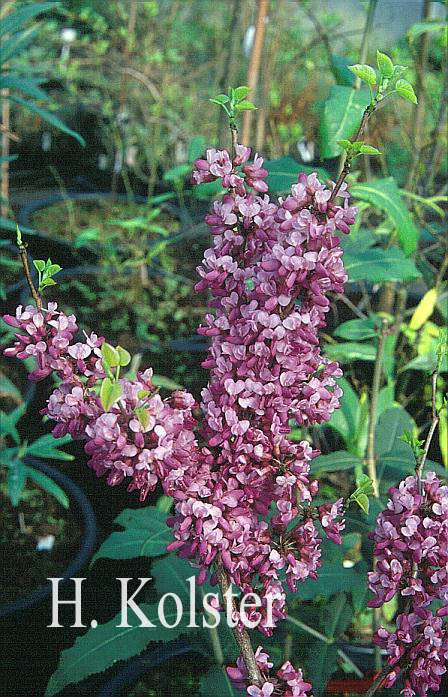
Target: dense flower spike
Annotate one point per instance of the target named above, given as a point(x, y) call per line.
point(269, 273)
point(411, 548)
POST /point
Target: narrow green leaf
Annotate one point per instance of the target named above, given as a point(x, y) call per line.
point(48, 117)
point(25, 85)
point(16, 20)
point(16, 480)
point(17, 43)
point(48, 485)
point(47, 447)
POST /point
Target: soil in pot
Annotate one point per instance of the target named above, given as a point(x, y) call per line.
point(179, 676)
point(142, 291)
point(38, 517)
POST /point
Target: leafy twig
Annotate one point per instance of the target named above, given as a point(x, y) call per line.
point(24, 257)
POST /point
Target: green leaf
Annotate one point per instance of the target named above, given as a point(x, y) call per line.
point(364, 72)
point(11, 225)
point(335, 462)
point(343, 75)
point(321, 664)
point(47, 447)
point(215, 682)
point(357, 329)
point(336, 616)
point(241, 93)
point(17, 43)
point(285, 171)
point(380, 265)
point(25, 85)
point(15, 21)
point(172, 572)
point(176, 173)
point(351, 351)
point(344, 420)
point(341, 117)
point(365, 149)
point(111, 355)
point(8, 389)
point(385, 195)
point(391, 425)
point(220, 99)
point(48, 117)
point(142, 415)
point(39, 264)
point(124, 356)
point(245, 106)
point(8, 422)
point(345, 144)
point(385, 65)
point(405, 89)
point(48, 485)
point(195, 148)
point(166, 383)
point(47, 282)
point(420, 28)
point(16, 480)
point(53, 269)
point(332, 578)
point(146, 534)
point(363, 502)
point(109, 393)
point(108, 643)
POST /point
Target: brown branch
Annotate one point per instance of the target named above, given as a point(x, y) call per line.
point(379, 681)
point(241, 636)
point(347, 165)
point(434, 423)
point(24, 257)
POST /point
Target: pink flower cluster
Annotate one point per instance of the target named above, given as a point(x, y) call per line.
point(287, 681)
point(269, 273)
point(242, 489)
point(411, 548)
point(139, 437)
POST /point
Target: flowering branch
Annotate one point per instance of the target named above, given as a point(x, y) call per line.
point(240, 634)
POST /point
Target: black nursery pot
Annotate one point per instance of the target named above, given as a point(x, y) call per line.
point(86, 549)
point(136, 667)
